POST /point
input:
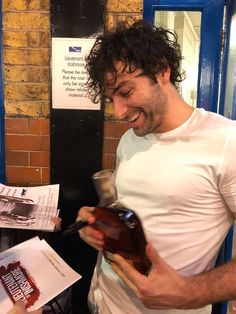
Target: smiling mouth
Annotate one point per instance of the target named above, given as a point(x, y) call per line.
point(134, 117)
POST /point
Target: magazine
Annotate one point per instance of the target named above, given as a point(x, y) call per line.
point(34, 273)
point(29, 207)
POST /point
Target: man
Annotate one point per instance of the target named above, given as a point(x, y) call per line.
point(175, 167)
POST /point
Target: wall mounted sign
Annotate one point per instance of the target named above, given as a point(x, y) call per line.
point(69, 74)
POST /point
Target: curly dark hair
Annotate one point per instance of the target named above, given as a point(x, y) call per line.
point(141, 46)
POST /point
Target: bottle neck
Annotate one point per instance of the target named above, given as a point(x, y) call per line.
point(107, 202)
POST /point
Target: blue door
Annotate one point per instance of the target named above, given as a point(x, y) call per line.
point(2, 128)
point(199, 26)
point(228, 87)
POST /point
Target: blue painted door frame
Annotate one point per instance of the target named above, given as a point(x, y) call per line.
point(211, 27)
point(229, 50)
point(2, 120)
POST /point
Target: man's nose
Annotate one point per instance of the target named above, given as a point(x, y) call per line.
point(120, 108)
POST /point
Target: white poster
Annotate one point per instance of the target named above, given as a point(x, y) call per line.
point(69, 74)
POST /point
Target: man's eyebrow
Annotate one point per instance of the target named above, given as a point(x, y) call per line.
point(113, 88)
point(121, 84)
point(141, 74)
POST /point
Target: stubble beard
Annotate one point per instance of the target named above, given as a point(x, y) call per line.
point(153, 118)
point(154, 123)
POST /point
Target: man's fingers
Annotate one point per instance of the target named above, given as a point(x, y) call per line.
point(120, 272)
point(89, 234)
point(86, 213)
point(92, 237)
point(97, 244)
point(130, 272)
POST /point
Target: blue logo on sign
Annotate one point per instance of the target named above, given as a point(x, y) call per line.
point(74, 49)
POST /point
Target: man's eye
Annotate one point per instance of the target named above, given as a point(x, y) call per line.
point(125, 93)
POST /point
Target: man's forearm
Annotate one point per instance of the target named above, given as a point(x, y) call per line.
point(165, 288)
point(216, 285)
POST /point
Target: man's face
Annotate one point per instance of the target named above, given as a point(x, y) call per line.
point(137, 99)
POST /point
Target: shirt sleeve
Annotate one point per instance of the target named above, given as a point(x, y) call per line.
point(227, 181)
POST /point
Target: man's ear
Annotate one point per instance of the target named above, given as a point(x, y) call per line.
point(163, 77)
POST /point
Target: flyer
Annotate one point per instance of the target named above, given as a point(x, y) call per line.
point(29, 207)
point(34, 273)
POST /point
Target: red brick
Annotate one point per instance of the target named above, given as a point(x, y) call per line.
point(40, 159)
point(109, 129)
point(23, 175)
point(46, 143)
point(109, 161)
point(40, 126)
point(120, 129)
point(45, 175)
point(16, 125)
point(110, 145)
point(14, 158)
point(24, 142)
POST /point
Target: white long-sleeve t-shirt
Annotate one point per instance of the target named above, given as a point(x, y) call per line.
point(182, 185)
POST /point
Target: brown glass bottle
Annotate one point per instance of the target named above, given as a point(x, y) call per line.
point(121, 226)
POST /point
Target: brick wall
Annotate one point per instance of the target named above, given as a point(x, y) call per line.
point(26, 58)
point(27, 154)
point(129, 11)
point(112, 133)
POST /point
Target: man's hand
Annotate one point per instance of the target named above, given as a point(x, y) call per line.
point(163, 288)
point(89, 234)
point(19, 308)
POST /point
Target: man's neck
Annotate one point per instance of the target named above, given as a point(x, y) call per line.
point(177, 111)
